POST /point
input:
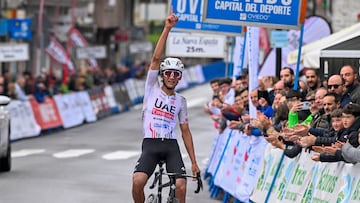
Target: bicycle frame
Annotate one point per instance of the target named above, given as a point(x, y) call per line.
point(171, 184)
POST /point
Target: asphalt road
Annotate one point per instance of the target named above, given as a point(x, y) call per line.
point(93, 162)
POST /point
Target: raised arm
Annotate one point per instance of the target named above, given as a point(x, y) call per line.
point(170, 22)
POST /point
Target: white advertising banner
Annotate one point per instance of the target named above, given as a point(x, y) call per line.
point(86, 106)
point(109, 93)
point(69, 109)
point(130, 86)
point(232, 166)
point(195, 45)
point(23, 123)
point(14, 52)
point(252, 162)
point(219, 150)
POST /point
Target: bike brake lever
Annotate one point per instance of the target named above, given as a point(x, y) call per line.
point(199, 183)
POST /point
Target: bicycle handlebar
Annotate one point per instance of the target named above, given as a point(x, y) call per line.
point(177, 175)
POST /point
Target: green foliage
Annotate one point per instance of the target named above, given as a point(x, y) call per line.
point(153, 38)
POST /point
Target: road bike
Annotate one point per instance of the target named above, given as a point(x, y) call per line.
point(157, 198)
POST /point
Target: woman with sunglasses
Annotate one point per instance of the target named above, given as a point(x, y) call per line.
point(162, 106)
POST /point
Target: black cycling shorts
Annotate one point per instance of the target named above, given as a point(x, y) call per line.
point(156, 150)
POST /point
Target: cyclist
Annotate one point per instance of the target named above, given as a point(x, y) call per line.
point(161, 108)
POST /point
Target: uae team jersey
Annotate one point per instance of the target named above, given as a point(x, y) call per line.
point(161, 111)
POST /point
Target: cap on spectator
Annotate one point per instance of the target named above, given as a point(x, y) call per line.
point(293, 93)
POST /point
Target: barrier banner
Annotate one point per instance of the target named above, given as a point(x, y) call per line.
point(22, 120)
point(303, 180)
point(219, 149)
point(84, 101)
point(109, 93)
point(271, 161)
point(130, 86)
point(99, 102)
point(212, 152)
point(121, 96)
point(69, 109)
point(232, 166)
point(46, 113)
point(252, 162)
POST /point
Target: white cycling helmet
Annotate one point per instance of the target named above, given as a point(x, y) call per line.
point(172, 64)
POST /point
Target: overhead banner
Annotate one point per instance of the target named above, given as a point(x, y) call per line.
point(195, 45)
point(76, 38)
point(190, 19)
point(283, 14)
point(58, 53)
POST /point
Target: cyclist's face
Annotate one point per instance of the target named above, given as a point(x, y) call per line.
point(171, 78)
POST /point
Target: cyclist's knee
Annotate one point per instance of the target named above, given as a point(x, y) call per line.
point(181, 185)
point(139, 180)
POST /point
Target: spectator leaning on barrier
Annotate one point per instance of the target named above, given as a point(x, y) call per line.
point(19, 87)
point(350, 153)
point(350, 76)
point(321, 137)
point(41, 93)
point(331, 103)
point(351, 122)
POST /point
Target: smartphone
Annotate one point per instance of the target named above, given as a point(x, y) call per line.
point(305, 105)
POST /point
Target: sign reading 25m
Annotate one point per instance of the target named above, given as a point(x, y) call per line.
point(265, 13)
point(190, 19)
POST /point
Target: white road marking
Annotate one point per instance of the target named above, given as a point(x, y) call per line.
point(72, 153)
point(120, 155)
point(26, 152)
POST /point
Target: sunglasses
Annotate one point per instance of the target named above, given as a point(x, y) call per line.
point(331, 86)
point(172, 73)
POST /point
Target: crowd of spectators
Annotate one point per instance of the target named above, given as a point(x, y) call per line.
point(320, 117)
point(48, 83)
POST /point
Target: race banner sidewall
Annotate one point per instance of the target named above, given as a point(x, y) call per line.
point(22, 122)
